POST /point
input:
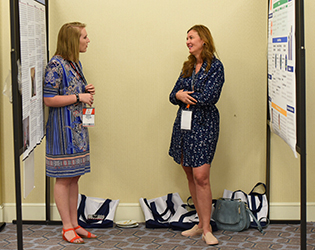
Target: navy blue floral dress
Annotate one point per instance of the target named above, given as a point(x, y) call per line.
point(67, 141)
point(197, 146)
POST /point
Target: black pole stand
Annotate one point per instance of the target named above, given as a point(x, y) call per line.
point(2, 225)
point(17, 116)
point(48, 220)
point(301, 114)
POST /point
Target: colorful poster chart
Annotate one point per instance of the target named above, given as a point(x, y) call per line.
point(33, 60)
point(281, 70)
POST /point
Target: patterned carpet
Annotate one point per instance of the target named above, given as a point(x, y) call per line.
point(277, 236)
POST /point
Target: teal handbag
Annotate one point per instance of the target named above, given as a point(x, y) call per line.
point(233, 215)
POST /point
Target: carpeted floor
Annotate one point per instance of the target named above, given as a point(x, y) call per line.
point(277, 236)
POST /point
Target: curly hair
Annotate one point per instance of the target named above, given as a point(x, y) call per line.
point(207, 53)
point(68, 43)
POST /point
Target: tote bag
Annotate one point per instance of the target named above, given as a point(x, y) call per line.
point(96, 212)
point(186, 217)
point(158, 212)
point(257, 203)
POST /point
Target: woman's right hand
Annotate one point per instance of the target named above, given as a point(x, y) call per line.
point(184, 96)
point(86, 98)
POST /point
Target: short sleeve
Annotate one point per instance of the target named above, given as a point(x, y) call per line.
point(53, 78)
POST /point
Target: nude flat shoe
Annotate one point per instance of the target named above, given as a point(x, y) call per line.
point(192, 232)
point(210, 239)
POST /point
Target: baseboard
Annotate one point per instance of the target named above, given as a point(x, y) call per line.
point(36, 212)
point(127, 211)
point(1, 214)
point(290, 211)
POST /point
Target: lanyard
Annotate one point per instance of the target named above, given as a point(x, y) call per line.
point(75, 68)
point(193, 79)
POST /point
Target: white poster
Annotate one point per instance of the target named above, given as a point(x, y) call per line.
point(29, 174)
point(33, 61)
point(281, 70)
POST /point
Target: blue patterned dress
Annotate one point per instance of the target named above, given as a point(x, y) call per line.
point(197, 146)
point(67, 141)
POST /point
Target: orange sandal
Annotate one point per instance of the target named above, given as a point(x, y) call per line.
point(84, 236)
point(74, 238)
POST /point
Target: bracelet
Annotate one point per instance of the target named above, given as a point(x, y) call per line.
point(78, 98)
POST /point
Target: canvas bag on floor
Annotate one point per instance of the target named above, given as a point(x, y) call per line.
point(96, 212)
point(186, 217)
point(257, 203)
point(159, 211)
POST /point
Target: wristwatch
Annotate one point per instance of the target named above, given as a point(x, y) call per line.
point(78, 98)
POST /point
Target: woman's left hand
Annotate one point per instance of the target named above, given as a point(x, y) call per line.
point(185, 97)
point(90, 89)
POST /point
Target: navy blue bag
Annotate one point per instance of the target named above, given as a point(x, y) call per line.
point(96, 212)
point(257, 203)
point(186, 217)
point(159, 211)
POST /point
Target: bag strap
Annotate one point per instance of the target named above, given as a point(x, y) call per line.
point(258, 195)
point(253, 202)
point(257, 185)
point(103, 210)
point(253, 195)
point(183, 216)
point(240, 191)
point(169, 207)
point(259, 227)
point(190, 203)
point(81, 207)
point(267, 221)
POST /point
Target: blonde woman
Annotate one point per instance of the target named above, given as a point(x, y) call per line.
point(66, 93)
point(196, 127)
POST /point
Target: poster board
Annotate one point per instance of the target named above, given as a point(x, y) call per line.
point(281, 71)
point(286, 88)
point(33, 58)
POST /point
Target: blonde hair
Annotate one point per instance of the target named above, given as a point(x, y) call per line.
point(68, 43)
point(207, 53)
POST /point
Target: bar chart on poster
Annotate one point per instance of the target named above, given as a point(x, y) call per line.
point(281, 70)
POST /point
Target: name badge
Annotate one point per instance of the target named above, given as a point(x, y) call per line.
point(88, 117)
point(186, 117)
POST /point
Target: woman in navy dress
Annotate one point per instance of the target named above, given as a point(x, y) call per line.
point(66, 92)
point(194, 140)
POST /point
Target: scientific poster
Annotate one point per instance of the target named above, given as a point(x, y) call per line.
point(33, 61)
point(281, 70)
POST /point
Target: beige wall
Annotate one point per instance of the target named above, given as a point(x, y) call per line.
point(6, 132)
point(310, 102)
point(1, 117)
point(136, 52)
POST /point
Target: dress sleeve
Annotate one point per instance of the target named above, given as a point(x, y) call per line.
point(210, 93)
point(177, 87)
point(53, 79)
